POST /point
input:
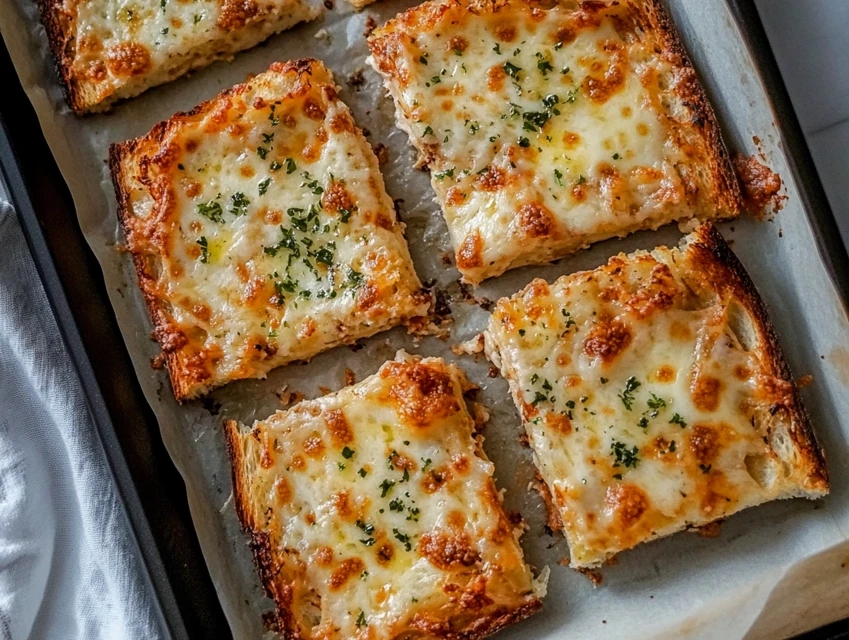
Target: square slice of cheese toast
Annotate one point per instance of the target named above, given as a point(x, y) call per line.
point(373, 513)
point(261, 230)
point(655, 396)
point(548, 127)
point(107, 51)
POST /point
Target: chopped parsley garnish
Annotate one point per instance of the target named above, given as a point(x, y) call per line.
point(204, 249)
point(524, 142)
point(414, 514)
point(546, 385)
point(275, 166)
point(396, 505)
point(543, 64)
point(581, 179)
point(572, 96)
point(448, 173)
point(564, 71)
point(627, 396)
point(423, 58)
point(365, 527)
point(434, 80)
point(273, 116)
point(239, 204)
point(347, 453)
point(616, 156)
point(428, 131)
point(312, 184)
point(386, 487)
point(361, 619)
point(291, 167)
point(522, 332)
point(267, 137)
point(262, 152)
point(497, 48)
point(558, 177)
point(603, 380)
point(362, 473)
point(625, 457)
point(539, 396)
point(325, 254)
point(344, 215)
point(427, 462)
point(671, 446)
point(705, 468)
point(211, 210)
point(643, 423)
point(534, 379)
point(677, 419)
point(403, 538)
point(511, 70)
point(656, 404)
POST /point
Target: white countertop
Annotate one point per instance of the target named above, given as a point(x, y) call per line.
point(809, 38)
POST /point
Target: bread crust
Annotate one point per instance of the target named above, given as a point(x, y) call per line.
point(717, 264)
point(127, 158)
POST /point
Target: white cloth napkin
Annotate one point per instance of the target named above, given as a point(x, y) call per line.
point(69, 565)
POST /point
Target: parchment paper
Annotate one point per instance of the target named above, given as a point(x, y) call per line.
point(774, 570)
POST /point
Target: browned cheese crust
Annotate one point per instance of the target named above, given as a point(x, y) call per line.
point(219, 315)
point(655, 396)
point(467, 579)
point(108, 52)
point(549, 128)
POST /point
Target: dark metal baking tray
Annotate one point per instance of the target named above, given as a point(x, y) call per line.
point(150, 486)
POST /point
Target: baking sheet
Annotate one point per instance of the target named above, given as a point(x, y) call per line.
point(774, 570)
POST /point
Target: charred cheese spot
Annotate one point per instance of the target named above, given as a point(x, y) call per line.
point(235, 14)
point(705, 392)
point(627, 502)
point(448, 551)
point(314, 446)
point(339, 428)
point(536, 221)
point(128, 59)
point(607, 339)
point(558, 422)
point(421, 394)
point(346, 569)
point(704, 443)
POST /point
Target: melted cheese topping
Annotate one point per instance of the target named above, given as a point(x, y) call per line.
point(271, 229)
point(648, 408)
point(121, 47)
point(544, 130)
point(382, 512)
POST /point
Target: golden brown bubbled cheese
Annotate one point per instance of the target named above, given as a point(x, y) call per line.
point(261, 231)
point(373, 513)
point(107, 51)
point(548, 129)
point(655, 396)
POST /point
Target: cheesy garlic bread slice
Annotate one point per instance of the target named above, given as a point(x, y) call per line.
point(548, 127)
point(261, 230)
point(655, 396)
point(107, 51)
point(373, 513)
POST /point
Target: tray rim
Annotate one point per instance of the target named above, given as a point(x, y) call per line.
point(830, 247)
point(166, 609)
point(818, 212)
